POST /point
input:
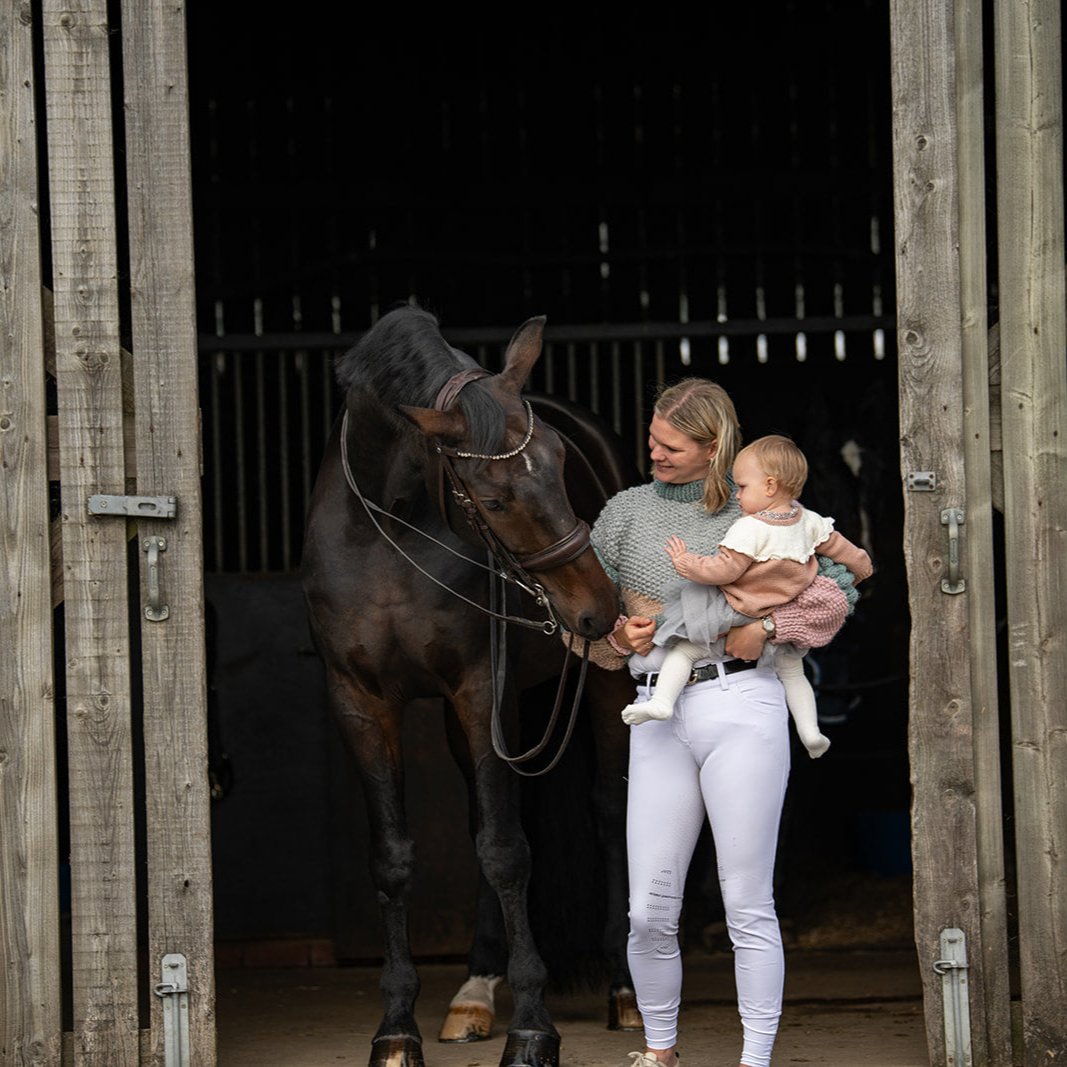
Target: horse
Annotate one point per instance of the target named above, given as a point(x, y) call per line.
point(437, 472)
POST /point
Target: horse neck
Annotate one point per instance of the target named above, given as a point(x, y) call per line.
point(388, 460)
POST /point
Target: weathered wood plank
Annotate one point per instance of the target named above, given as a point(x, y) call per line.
point(929, 331)
point(97, 650)
point(1029, 123)
point(168, 449)
point(979, 561)
point(30, 1024)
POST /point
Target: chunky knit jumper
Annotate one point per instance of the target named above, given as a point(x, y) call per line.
point(629, 538)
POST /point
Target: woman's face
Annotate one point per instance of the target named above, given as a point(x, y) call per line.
point(676, 457)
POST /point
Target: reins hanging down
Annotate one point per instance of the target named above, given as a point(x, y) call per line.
point(504, 567)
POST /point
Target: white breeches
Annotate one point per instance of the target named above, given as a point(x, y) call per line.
point(725, 752)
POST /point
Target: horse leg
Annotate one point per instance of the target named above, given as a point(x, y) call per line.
point(472, 1010)
point(607, 693)
point(504, 856)
point(372, 730)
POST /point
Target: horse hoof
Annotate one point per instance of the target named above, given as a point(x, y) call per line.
point(466, 1022)
point(396, 1052)
point(531, 1048)
point(622, 1011)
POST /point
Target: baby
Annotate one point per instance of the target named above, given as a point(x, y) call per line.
point(764, 560)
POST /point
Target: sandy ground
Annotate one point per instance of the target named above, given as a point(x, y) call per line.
point(843, 1008)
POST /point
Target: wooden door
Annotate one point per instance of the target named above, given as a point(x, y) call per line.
point(112, 206)
point(963, 406)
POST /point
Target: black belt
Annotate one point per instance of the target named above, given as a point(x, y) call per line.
point(707, 672)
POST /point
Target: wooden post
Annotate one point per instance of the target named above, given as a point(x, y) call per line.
point(930, 327)
point(1029, 125)
point(97, 649)
point(30, 1025)
point(981, 600)
point(168, 462)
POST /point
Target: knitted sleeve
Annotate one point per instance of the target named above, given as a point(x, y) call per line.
point(814, 617)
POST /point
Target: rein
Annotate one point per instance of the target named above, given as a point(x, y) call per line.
point(509, 568)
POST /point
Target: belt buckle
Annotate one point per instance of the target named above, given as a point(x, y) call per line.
point(693, 677)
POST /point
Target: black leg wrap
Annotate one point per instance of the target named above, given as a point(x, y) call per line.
point(531, 1048)
point(398, 1051)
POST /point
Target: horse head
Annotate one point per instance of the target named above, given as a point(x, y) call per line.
point(514, 498)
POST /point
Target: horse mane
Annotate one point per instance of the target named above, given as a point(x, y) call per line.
point(404, 359)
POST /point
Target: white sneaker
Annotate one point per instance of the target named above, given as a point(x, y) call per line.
point(643, 1059)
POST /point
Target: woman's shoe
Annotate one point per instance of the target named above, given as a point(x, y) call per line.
point(643, 1059)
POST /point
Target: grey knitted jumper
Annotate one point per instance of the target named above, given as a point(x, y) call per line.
point(630, 537)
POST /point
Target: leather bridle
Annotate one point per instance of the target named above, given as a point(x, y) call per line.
point(509, 567)
point(569, 547)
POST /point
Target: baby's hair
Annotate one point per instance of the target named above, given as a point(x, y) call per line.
point(779, 457)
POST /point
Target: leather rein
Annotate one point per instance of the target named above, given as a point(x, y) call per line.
point(508, 567)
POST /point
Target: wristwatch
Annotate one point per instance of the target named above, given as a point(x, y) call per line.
point(768, 625)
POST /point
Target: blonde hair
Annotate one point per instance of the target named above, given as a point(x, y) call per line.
point(779, 457)
point(703, 411)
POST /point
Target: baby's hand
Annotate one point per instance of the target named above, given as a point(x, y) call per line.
point(683, 560)
point(675, 546)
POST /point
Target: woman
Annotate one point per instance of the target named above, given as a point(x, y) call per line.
point(725, 753)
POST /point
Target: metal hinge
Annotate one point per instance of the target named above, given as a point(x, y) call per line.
point(173, 990)
point(953, 967)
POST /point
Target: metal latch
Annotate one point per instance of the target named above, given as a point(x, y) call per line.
point(953, 970)
point(149, 507)
point(173, 990)
point(921, 481)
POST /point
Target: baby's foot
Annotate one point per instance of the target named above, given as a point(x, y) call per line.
point(816, 745)
point(635, 714)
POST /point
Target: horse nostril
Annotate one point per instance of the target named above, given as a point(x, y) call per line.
point(592, 626)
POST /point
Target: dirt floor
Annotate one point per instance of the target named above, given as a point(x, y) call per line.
point(844, 1007)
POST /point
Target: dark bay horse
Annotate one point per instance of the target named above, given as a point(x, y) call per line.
point(435, 467)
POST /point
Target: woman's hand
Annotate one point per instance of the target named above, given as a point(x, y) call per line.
point(636, 634)
point(746, 642)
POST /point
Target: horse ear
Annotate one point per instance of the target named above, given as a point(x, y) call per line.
point(524, 348)
point(447, 426)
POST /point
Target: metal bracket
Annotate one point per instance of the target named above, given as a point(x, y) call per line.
point(953, 519)
point(953, 967)
point(921, 481)
point(173, 990)
point(155, 610)
point(151, 507)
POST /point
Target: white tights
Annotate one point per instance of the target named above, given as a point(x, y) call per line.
point(725, 752)
point(678, 664)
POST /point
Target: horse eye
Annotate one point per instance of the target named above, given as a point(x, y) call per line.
point(492, 505)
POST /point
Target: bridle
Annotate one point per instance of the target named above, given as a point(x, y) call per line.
point(505, 566)
point(567, 548)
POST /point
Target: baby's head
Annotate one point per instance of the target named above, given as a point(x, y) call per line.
point(767, 470)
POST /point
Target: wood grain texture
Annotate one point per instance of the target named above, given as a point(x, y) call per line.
point(168, 461)
point(30, 1024)
point(97, 650)
point(1029, 127)
point(930, 315)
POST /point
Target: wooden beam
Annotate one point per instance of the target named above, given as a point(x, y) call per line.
point(932, 295)
point(1033, 339)
point(30, 985)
